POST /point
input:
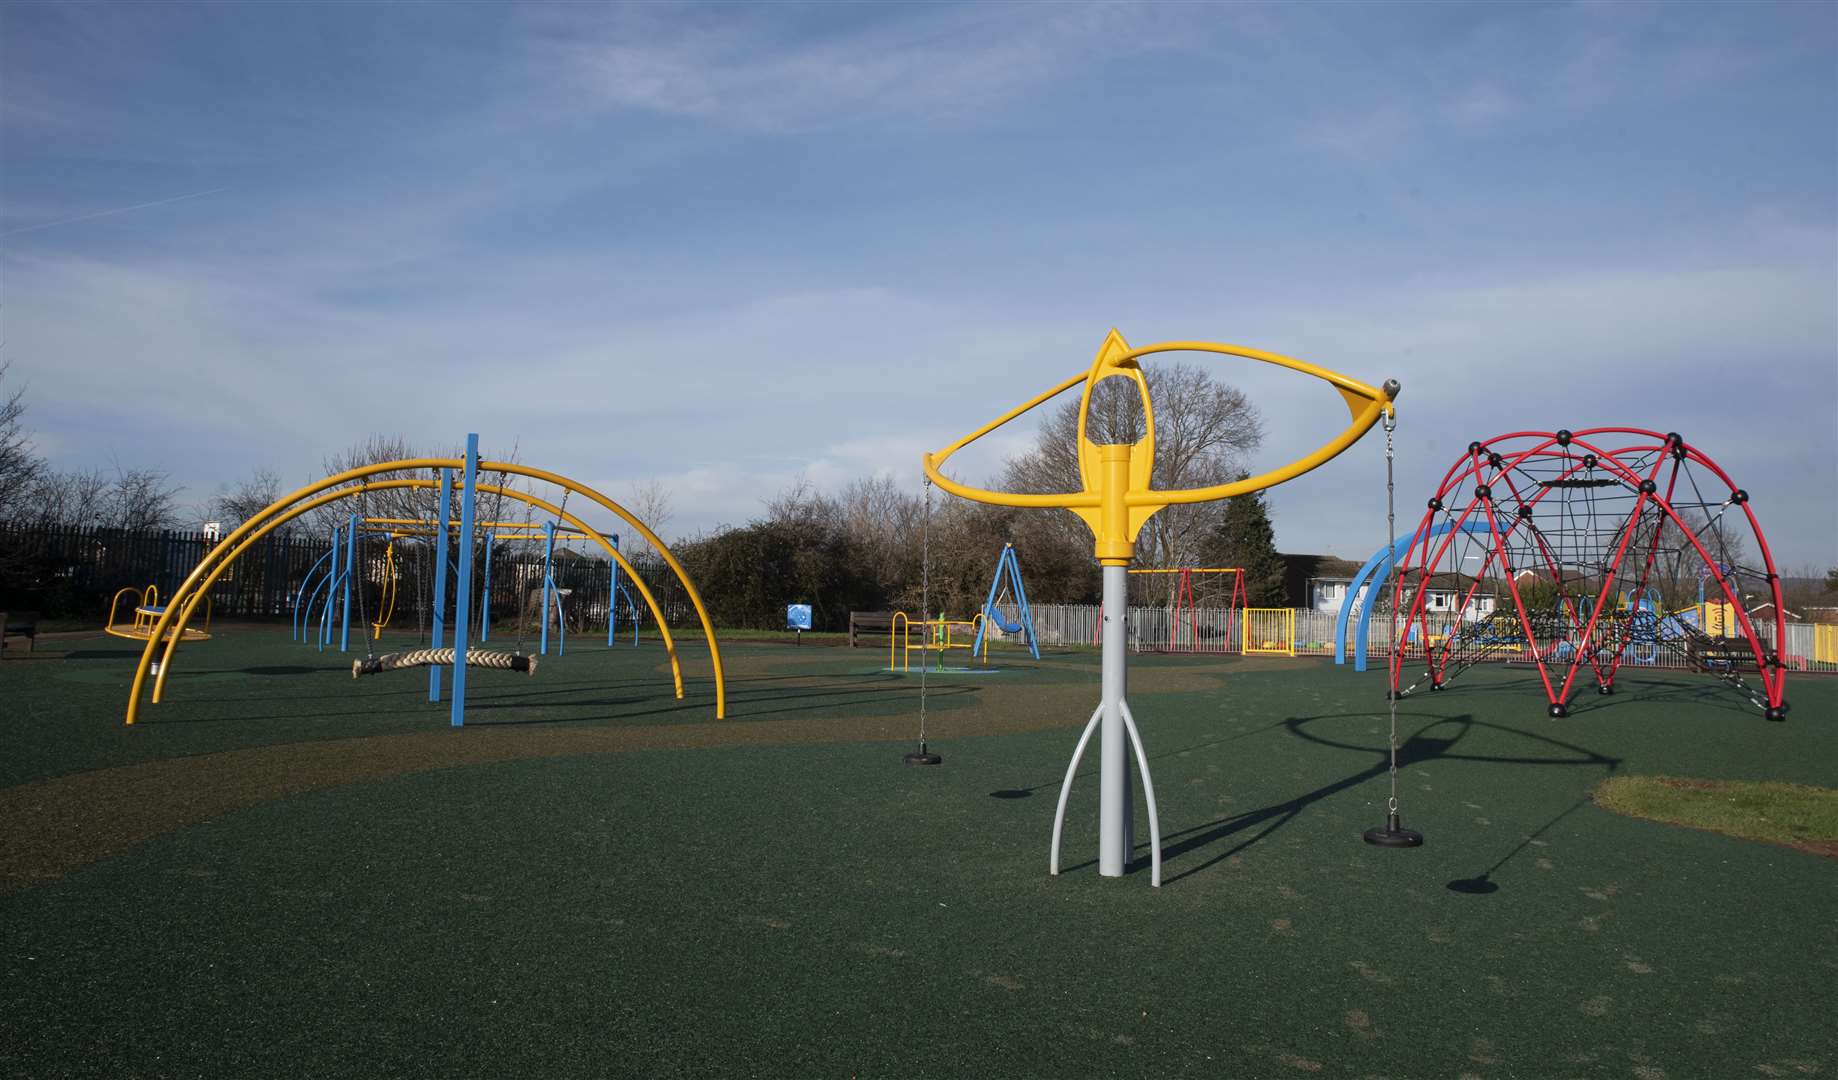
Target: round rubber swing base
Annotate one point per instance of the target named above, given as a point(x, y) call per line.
point(921, 757)
point(1393, 835)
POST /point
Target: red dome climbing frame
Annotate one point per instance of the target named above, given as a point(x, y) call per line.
point(1582, 552)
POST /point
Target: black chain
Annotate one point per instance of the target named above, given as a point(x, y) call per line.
point(925, 599)
point(1391, 532)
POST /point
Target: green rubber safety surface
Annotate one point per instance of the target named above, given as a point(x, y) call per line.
point(622, 889)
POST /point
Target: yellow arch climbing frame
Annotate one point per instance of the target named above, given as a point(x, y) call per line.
point(195, 588)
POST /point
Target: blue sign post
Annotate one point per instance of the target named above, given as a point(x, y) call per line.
point(798, 617)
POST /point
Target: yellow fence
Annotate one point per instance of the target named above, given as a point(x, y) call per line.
point(1825, 644)
point(1270, 631)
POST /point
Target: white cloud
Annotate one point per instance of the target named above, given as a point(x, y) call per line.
point(954, 62)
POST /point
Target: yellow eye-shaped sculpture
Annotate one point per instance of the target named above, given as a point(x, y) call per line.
point(1116, 498)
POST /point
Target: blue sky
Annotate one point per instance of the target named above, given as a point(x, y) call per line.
point(722, 246)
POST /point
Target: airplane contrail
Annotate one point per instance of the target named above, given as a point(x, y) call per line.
point(106, 213)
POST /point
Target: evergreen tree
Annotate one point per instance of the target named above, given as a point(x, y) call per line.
point(1243, 537)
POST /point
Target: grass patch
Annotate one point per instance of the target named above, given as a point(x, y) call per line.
point(1798, 815)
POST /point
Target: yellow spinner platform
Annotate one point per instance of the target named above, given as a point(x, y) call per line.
point(147, 611)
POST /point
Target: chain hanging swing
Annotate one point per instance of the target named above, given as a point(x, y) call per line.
point(1394, 834)
point(923, 756)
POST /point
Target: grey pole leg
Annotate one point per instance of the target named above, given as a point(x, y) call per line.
point(1117, 737)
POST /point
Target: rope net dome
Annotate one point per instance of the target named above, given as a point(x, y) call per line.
point(1585, 552)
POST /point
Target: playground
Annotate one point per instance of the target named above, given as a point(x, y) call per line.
point(280, 865)
point(402, 851)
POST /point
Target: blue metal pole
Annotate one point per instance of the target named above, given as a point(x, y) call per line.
point(1373, 589)
point(462, 619)
point(612, 592)
point(548, 581)
point(344, 629)
point(303, 604)
point(989, 604)
point(485, 590)
point(325, 617)
point(439, 536)
point(1022, 608)
point(1380, 575)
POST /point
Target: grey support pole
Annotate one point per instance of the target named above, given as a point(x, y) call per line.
point(1117, 736)
point(1116, 815)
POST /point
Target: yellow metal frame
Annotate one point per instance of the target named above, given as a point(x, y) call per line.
point(1286, 616)
point(1115, 498)
point(147, 610)
point(938, 638)
point(501, 530)
point(195, 589)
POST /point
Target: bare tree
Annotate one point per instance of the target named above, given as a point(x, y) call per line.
point(802, 502)
point(19, 468)
point(884, 522)
point(415, 504)
point(254, 493)
point(652, 503)
point(76, 497)
point(142, 499)
point(1204, 432)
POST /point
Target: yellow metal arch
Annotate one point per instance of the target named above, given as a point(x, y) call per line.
point(1116, 498)
point(220, 557)
point(202, 591)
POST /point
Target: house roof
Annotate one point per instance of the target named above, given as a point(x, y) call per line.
point(1321, 567)
point(1769, 606)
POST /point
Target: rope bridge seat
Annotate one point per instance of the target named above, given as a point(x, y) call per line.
point(437, 657)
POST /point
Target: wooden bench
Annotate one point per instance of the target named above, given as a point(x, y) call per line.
point(869, 622)
point(19, 624)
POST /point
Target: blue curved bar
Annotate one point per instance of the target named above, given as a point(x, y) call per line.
point(1388, 556)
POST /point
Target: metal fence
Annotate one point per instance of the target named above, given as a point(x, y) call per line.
point(1808, 646)
point(73, 572)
